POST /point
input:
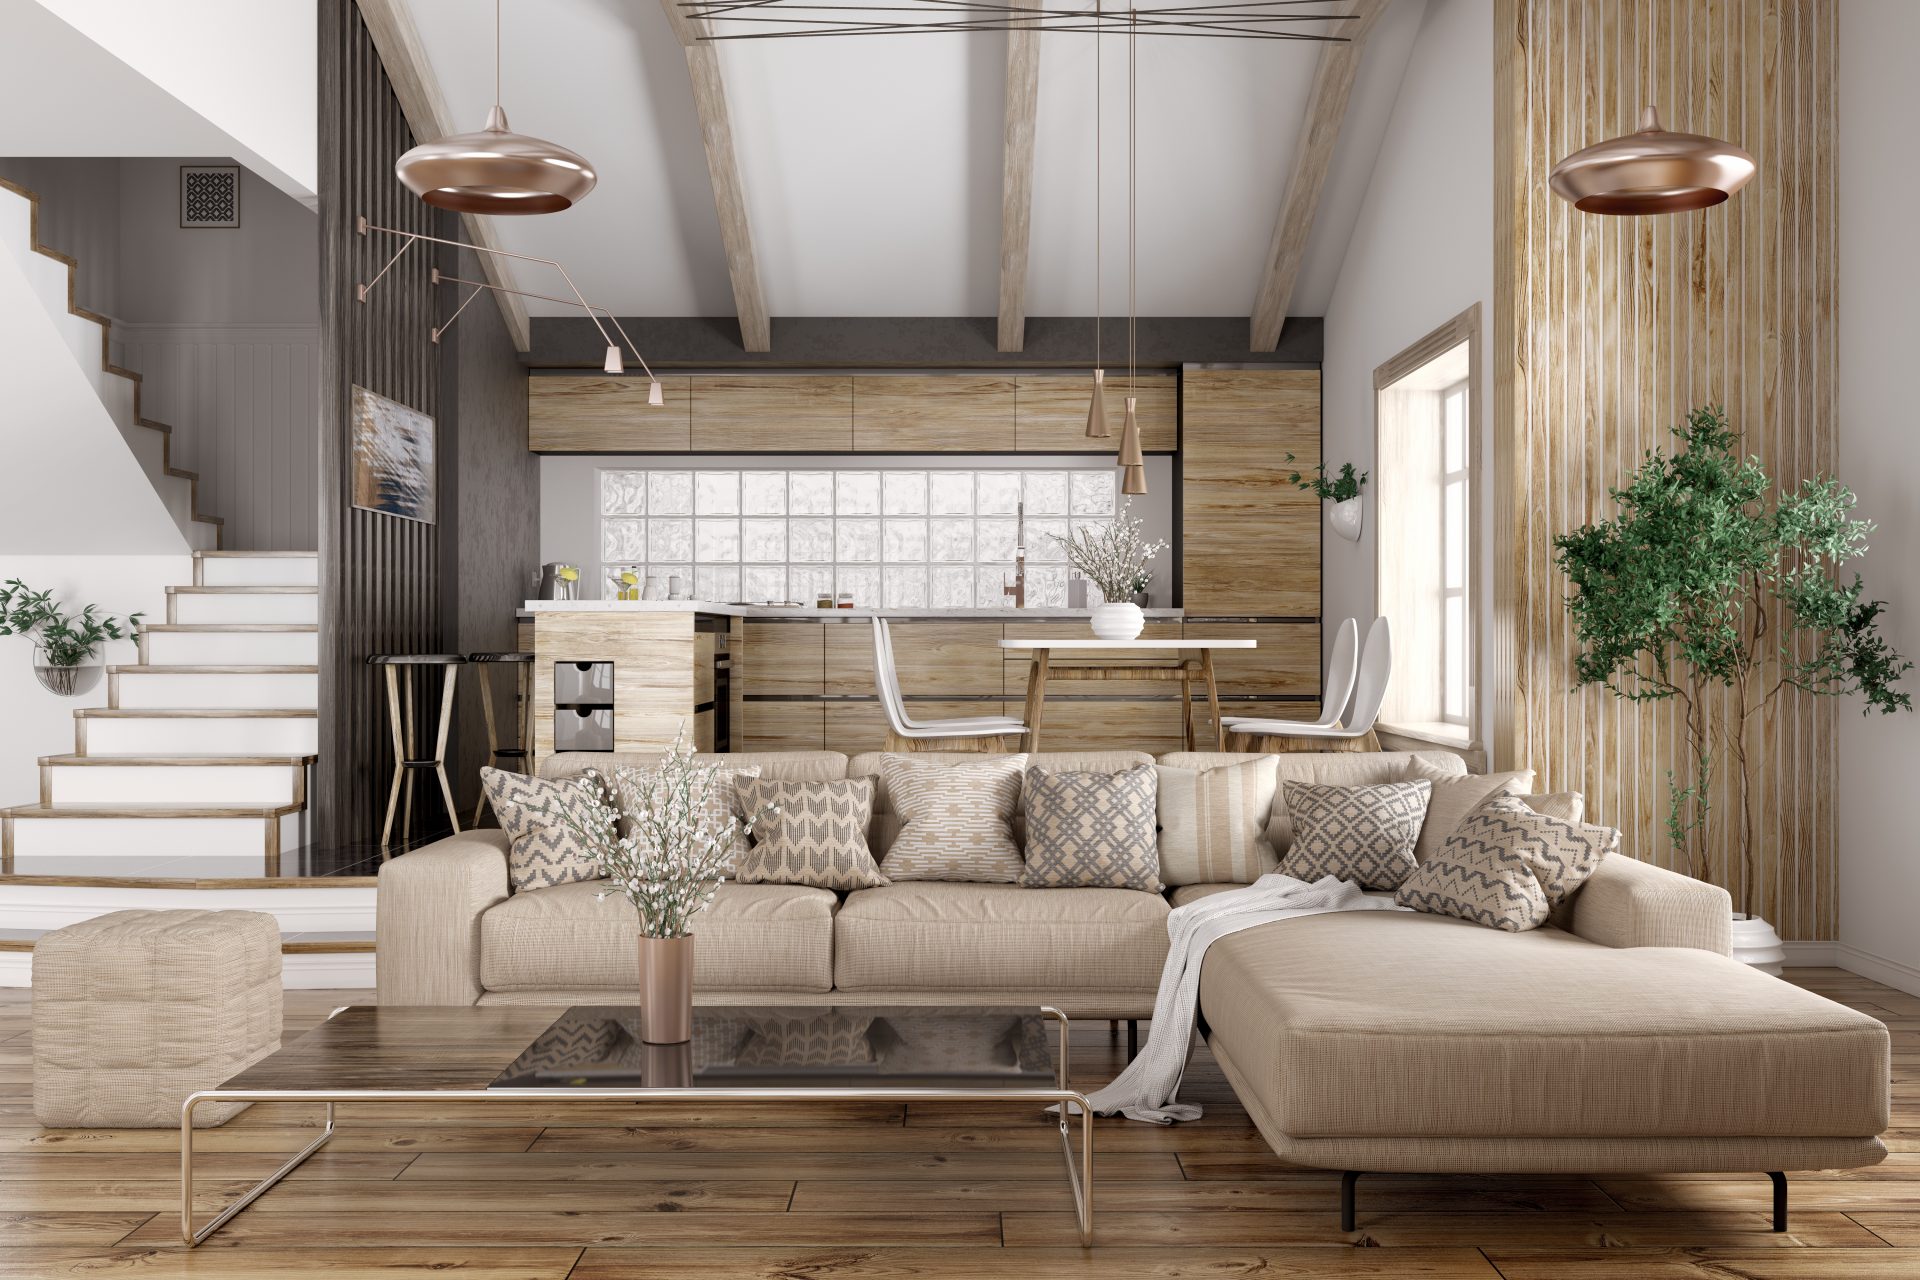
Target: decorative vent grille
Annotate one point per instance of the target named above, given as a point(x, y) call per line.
point(209, 195)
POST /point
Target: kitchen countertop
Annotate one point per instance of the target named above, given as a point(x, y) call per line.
point(812, 612)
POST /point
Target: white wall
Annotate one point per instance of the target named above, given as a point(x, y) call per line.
point(34, 722)
point(1421, 253)
point(1879, 332)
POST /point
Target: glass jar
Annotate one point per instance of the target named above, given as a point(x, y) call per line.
point(846, 599)
point(825, 601)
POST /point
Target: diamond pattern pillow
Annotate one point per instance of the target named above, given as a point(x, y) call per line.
point(1091, 830)
point(818, 837)
point(959, 819)
point(718, 803)
point(1562, 854)
point(544, 851)
point(1477, 877)
point(1363, 834)
point(1213, 822)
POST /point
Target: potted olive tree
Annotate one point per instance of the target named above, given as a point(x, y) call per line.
point(1712, 589)
point(66, 647)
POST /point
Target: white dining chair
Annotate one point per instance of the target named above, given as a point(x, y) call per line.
point(1370, 690)
point(1342, 666)
point(904, 732)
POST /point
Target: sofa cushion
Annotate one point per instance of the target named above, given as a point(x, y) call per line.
point(934, 936)
point(1388, 1023)
point(810, 833)
point(755, 937)
point(886, 817)
point(1478, 875)
point(958, 818)
point(1327, 768)
point(546, 849)
point(1090, 830)
point(1363, 834)
point(1454, 797)
point(1213, 821)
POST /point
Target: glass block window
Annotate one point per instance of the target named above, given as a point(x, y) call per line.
point(895, 539)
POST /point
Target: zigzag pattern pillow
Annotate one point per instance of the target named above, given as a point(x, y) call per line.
point(544, 850)
point(1476, 877)
point(818, 837)
point(1363, 834)
point(1562, 853)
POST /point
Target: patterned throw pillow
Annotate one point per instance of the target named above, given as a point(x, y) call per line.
point(818, 837)
point(1090, 830)
point(1562, 854)
point(959, 819)
point(544, 850)
point(1213, 822)
point(1454, 797)
point(718, 803)
point(1364, 834)
point(1476, 877)
point(1568, 806)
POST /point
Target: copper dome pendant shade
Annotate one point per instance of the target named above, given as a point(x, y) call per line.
point(1651, 171)
point(496, 170)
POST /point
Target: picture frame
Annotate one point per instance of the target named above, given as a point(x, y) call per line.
point(394, 458)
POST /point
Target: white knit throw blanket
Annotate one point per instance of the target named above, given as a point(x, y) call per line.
point(1146, 1089)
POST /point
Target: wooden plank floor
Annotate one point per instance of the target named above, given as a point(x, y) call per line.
point(871, 1192)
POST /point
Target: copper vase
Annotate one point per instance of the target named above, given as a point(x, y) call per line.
point(666, 990)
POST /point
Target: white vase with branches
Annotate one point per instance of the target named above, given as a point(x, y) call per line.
point(1118, 560)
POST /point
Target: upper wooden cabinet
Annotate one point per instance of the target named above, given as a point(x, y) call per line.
point(1052, 413)
point(958, 413)
point(1250, 540)
point(602, 414)
point(757, 413)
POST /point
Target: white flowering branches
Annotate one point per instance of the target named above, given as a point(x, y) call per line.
point(1115, 558)
point(675, 852)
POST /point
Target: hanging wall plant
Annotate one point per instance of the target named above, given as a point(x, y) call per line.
point(66, 647)
point(1341, 494)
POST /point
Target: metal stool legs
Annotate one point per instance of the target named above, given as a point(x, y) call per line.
point(514, 750)
point(400, 721)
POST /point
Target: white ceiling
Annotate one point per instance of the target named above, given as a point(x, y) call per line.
point(872, 166)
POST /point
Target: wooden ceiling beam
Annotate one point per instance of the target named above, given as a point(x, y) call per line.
point(1016, 182)
point(425, 107)
point(1313, 150)
point(723, 168)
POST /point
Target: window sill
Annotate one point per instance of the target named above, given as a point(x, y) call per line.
point(1439, 733)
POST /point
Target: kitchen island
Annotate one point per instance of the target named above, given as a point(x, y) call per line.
point(763, 678)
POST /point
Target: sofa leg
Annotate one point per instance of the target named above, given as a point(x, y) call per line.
point(1133, 1038)
point(1779, 1201)
point(1347, 1180)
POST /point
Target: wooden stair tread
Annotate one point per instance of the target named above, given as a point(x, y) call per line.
point(188, 669)
point(243, 591)
point(196, 713)
point(191, 810)
point(256, 555)
point(73, 759)
point(228, 627)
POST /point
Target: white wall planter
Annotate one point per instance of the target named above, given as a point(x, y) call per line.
point(1345, 517)
point(1118, 621)
point(1756, 943)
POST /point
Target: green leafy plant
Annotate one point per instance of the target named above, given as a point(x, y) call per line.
point(1341, 488)
point(1708, 578)
point(67, 640)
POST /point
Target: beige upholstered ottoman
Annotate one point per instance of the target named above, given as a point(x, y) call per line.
point(135, 1010)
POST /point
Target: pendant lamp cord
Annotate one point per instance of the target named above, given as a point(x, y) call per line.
point(1096, 183)
point(1133, 32)
point(496, 52)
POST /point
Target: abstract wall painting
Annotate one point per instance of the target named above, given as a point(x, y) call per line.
point(393, 458)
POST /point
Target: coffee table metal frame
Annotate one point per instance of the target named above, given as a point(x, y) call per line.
point(1062, 1097)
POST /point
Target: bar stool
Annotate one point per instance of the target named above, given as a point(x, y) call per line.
point(514, 753)
point(400, 721)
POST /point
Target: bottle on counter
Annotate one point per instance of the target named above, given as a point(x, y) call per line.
point(846, 599)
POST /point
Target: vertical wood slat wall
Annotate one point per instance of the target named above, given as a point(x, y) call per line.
point(1613, 328)
point(379, 575)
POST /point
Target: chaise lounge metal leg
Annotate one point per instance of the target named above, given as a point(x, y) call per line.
point(1347, 1180)
point(1133, 1038)
point(1779, 1201)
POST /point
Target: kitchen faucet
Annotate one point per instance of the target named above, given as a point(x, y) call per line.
point(1019, 588)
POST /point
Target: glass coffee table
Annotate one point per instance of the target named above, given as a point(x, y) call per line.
point(593, 1053)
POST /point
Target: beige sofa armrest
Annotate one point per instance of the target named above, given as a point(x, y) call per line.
point(427, 918)
point(1629, 903)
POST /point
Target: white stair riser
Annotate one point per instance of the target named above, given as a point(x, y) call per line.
point(299, 910)
point(231, 648)
point(155, 837)
point(193, 736)
point(246, 608)
point(259, 571)
point(173, 784)
point(290, 690)
point(298, 972)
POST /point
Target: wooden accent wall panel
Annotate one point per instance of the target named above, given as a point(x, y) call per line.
point(772, 414)
point(955, 413)
point(603, 414)
point(1608, 330)
point(1250, 541)
point(1052, 413)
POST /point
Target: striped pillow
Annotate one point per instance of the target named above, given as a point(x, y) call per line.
point(1213, 822)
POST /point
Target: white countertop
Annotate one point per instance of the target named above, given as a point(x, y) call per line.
point(812, 612)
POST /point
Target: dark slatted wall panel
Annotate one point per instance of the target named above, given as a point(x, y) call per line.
point(380, 576)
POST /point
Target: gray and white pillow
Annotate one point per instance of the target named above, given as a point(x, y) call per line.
point(958, 819)
point(544, 851)
point(1562, 853)
point(1364, 834)
point(1476, 877)
point(817, 834)
point(1091, 830)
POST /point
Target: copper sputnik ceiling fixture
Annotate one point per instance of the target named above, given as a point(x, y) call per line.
point(496, 170)
point(1651, 170)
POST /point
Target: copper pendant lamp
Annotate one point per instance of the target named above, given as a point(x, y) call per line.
point(496, 170)
point(1651, 171)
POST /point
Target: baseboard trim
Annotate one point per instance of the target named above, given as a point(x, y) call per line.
point(1894, 973)
point(1811, 955)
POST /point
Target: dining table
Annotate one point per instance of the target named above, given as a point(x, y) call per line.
point(1138, 659)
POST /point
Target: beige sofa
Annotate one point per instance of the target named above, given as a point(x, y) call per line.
point(1618, 1037)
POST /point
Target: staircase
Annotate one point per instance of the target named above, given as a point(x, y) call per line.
point(52, 274)
point(189, 787)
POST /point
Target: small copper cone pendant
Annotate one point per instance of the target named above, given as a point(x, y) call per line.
point(1130, 455)
point(1097, 408)
point(1133, 480)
